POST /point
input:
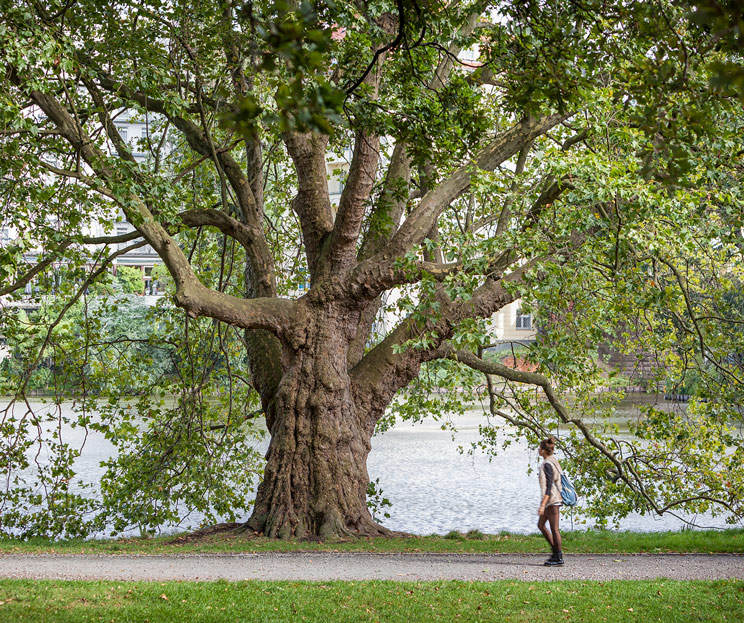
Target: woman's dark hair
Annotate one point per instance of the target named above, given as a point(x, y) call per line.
point(548, 445)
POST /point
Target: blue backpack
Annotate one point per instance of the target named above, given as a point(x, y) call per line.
point(568, 492)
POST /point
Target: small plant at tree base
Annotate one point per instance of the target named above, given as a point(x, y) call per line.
point(376, 502)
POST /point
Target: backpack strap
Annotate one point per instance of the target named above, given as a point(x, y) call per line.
point(558, 471)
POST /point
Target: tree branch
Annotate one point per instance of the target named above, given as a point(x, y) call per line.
point(224, 222)
point(312, 203)
point(353, 202)
point(35, 270)
point(376, 274)
point(90, 182)
point(386, 368)
point(191, 294)
point(396, 191)
point(385, 22)
point(386, 215)
point(623, 467)
point(506, 208)
point(698, 329)
point(263, 279)
point(40, 266)
point(75, 297)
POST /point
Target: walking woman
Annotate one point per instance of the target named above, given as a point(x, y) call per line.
point(550, 503)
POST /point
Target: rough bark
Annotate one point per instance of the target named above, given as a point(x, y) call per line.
point(387, 215)
point(377, 274)
point(315, 480)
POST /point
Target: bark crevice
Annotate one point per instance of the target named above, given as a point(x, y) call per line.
point(315, 480)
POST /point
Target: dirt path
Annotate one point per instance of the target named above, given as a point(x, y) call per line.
point(323, 566)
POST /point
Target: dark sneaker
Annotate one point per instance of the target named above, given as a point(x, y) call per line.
point(556, 560)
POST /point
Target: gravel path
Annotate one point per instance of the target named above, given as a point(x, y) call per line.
point(325, 566)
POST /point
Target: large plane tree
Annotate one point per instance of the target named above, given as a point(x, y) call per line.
point(573, 155)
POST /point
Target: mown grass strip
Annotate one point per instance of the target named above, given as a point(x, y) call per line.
point(27, 601)
point(593, 541)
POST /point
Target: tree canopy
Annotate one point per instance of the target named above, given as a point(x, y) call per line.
point(582, 157)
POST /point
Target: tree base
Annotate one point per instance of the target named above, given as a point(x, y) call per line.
point(370, 529)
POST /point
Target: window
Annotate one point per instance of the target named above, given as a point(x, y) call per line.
point(123, 132)
point(471, 54)
point(524, 321)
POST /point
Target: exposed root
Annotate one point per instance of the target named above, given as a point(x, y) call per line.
point(203, 533)
point(246, 528)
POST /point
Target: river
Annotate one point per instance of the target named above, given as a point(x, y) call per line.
point(434, 487)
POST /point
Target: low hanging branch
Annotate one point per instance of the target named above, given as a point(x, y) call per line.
point(624, 469)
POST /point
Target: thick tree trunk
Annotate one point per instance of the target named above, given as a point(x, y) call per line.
point(315, 481)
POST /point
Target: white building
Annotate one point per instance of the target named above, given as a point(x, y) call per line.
point(509, 324)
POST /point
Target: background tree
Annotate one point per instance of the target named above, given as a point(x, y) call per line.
point(131, 280)
point(581, 163)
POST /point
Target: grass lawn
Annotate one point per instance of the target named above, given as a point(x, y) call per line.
point(594, 541)
point(24, 601)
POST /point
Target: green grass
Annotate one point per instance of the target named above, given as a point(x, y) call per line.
point(594, 541)
point(24, 601)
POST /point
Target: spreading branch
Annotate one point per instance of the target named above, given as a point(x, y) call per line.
point(224, 222)
point(377, 273)
point(353, 202)
point(312, 203)
point(191, 294)
point(623, 467)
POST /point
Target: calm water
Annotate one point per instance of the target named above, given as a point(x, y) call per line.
point(435, 488)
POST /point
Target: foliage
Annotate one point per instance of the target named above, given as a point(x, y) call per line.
point(131, 280)
point(306, 99)
point(163, 280)
point(586, 160)
point(724, 20)
point(376, 502)
point(154, 390)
